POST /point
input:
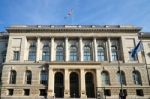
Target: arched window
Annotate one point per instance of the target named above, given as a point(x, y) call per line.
point(114, 53)
point(59, 53)
point(121, 77)
point(28, 77)
point(44, 77)
point(46, 53)
point(137, 77)
point(13, 75)
point(100, 53)
point(32, 53)
point(105, 78)
point(73, 53)
point(87, 53)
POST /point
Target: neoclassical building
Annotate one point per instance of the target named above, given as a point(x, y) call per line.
point(74, 61)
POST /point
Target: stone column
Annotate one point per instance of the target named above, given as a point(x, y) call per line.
point(67, 84)
point(51, 83)
point(81, 49)
point(38, 49)
point(98, 78)
point(95, 50)
point(23, 49)
point(109, 50)
point(83, 89)
point(9, 54)
point(66, 50)
point(52, 49)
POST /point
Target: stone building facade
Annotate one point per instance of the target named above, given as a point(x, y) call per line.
point(73, 61)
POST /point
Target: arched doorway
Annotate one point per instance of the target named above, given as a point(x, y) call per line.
point(59, 85)
point(74, 85)
point(90, 92)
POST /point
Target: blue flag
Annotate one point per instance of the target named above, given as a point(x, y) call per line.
point(138, 48)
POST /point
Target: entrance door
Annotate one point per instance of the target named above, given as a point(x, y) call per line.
point(74, 85)
point(59, 85)
point(89, 85)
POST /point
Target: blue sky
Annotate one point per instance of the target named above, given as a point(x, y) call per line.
point(85, 12)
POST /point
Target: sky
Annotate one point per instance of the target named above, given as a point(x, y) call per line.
point(84, 12)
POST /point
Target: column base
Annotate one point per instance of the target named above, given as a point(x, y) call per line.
point(66, 94)
point(50, 93)
point(50, 97)
point(83, 95)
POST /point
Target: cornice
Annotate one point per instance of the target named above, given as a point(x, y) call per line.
point(53, 30)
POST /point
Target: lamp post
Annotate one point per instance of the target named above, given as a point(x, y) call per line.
point(120, 74)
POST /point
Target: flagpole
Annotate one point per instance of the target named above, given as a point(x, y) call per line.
point(140, 38)
point(121, 92)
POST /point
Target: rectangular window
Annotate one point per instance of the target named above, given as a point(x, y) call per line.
point(10, 92)
point(43, 92)
point(139, 92)
point(26, 92)
point(107, 92)
point(16, 55)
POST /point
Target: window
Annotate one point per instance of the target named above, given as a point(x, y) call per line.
point(43, 92)
point(107, 92)
point(10, 92)
point(105, 78)
point(121, 77)
point(73, 53)
point(16, 55)
point(44, 77)
point(137, 78)
point(59, 53)
point(28, 77)
point(46, 53)
point(114, 53)
point(12, 77)
point(87, 53)
point(139, 92)
point(32, 53)
point(101, 53)
point(26, 92)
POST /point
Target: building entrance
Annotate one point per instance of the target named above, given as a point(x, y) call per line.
point(74, 85)
point(59, 85)
point(89, 85)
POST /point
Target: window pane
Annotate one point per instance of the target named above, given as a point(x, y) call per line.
point(12, 77)
point(87, 53)
point(44, 77)
point(46, 53)
point(59, 53)
point(114, 53)
point(16, 55)
point(100, 53)
point(121, 77)
point(32, 53)
point(28, 77)
point(73, 53)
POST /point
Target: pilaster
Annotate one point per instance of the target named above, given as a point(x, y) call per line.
point(95, 50)
point(81, 49)
point(52, 49)
point(66, 91)
point(66, 50)
point(83, 89)
point(38, 49)
point(109, 50)
point(51, 83)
